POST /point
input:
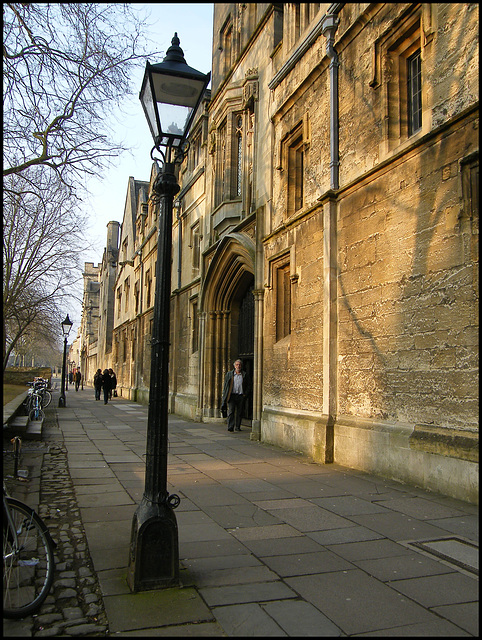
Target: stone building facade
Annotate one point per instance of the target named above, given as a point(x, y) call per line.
point(96, 328)
point(85, 355)
point(326, 232)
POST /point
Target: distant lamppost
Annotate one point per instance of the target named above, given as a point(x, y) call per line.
point(66, 327)
point(170, 95)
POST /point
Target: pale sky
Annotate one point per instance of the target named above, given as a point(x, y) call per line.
point(194, 26)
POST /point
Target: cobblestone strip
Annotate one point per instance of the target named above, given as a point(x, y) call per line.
point(74, 606)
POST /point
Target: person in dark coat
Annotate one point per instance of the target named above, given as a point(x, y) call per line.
point(98, 383)
point(113, 391)
point(106, 385)
point(78, 379)
point(235, 390)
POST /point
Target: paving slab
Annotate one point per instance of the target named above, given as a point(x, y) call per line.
point(241, 515)
point(104, 499)
point(109, 534)
point(160, 608)
point(251, 592)
point(298, 618)
point(197, 565)
point(465, 616)
point(435, 591)
point(421, 508)
point(342, 536)
point(368, 549)
point(306, 563)
point(247, 620)
point(232, 576)
point(406, 565)
point(398, 526)
point(358, 603)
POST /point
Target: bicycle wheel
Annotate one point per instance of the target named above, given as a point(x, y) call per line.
point(46, 398)
point(36, 414)
point(28, 567)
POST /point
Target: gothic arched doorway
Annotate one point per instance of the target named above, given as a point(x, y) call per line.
point(227, 309)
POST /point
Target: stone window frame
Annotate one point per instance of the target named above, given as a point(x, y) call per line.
point(148, 285)
point(227, 158)
point(293, 148)
point(195, 246)
point(280, 282)
point(227, 44)
point(136, 296)
point(392, 50)
point(194, 324)
point(220, 163)
point(127, 287)
point(119, 301)
point(469, 171)
point(133, 343)
point(116, 347)
point(125, 246)
point(124, 345)
point(195, 150)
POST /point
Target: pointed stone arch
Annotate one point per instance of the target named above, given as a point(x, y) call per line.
point(229, 276)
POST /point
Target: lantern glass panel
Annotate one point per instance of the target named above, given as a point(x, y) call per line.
point(149, 107)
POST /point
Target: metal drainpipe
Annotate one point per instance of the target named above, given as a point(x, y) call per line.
point(330, 25)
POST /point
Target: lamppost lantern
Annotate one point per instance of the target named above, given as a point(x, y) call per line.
point(66, 327)
point(170, 95)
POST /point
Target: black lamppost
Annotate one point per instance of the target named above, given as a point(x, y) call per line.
point(170, 95)
point(66, 327)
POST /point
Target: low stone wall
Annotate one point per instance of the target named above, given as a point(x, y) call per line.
point(23, 375)
point(407, 453)
point(435, 459)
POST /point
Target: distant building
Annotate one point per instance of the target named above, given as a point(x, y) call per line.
point(85, 353)
point(107, 277)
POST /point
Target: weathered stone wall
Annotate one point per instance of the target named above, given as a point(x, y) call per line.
point(407, 294)
point(293, 372)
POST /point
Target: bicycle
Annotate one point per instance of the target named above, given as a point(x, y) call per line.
point(28, 559)
point(39, 386)
point(36, 412)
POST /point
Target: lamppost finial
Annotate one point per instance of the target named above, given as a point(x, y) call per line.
point(175, 53)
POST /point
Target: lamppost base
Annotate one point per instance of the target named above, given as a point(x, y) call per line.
point(154, 549)
point(61, 401)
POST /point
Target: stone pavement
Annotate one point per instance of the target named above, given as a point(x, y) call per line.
point(270, 543)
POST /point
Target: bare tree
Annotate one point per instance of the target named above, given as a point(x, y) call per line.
point(42, 246)
point(66, 66)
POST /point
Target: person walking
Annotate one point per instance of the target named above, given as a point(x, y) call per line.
point(113, 384)
point(77, 379)
point(235, 390)
point(106, 385)
point(98, 383)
